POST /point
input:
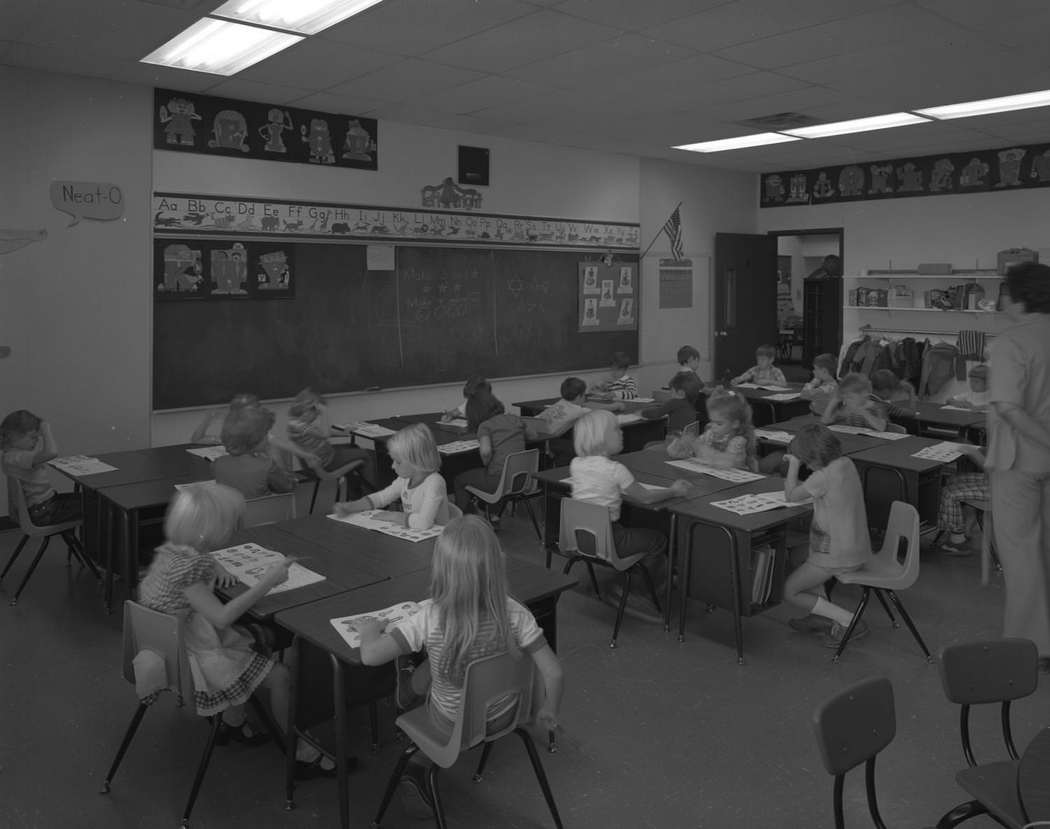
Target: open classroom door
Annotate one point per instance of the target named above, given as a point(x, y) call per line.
point(745, 300)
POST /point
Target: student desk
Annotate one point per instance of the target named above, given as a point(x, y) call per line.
point(770, 411)
point(723, 541)
point(1033, 778)
point(918, 480)
point(635, 434)
point(311, 626)
point(850, 443)
point(935, 415)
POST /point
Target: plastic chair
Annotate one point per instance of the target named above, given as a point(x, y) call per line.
point(887, 572)
point(516, 485)
point(586, 535)
point(269, 509)
point(487, 680)
point(154, 660)
point(309, 471)
point(17, 507)
point(980, 673)
point(984, 512)
point(852, 728)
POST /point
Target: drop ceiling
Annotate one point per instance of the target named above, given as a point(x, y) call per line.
point(625, 76)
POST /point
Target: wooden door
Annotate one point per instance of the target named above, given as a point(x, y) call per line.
point(745, 300)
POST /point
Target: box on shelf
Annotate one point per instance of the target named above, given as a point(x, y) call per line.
point(935, 268)
point(1005, 259)
point(901, 296)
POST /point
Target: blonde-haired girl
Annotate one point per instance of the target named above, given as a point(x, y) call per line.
point(180, 580)
point(424, 497)
point(468, 616)
point(728, 441)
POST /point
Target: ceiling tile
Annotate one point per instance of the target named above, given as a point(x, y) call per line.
point(407, 79)
point(799, 13)
point(720, 27)
point(489, 91)
point(538, 36)
point(345, 104)
point(52, 59)
point(635, 14)
point(245, 90)
point(414, 27)
point(317, 64)
point(163, 76)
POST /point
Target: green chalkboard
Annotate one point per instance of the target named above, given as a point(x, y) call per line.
point(443, 314)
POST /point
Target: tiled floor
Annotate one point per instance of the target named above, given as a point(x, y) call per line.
point(656, 733)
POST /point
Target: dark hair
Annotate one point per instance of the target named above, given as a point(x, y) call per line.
point(244, 429)
point(689, 383)
point(572, 387)
point(621, 360)
point(765, 351)
point(19, 422)
point(480, 407)
point(1029, 284)
point(474, 383)
point(884, 380)
point(687, 353)
point(826, 361)
point(855, 383)
point(815, 442)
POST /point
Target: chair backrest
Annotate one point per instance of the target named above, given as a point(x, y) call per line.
point(978, 673)
point(18, 509)
point(855, 724)
point(162, 633)
point(901, 542)
point(269, 509)
point(586, 529)
point(518, 470)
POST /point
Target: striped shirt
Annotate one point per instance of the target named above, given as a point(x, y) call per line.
point(307, 435)
point(625, 388)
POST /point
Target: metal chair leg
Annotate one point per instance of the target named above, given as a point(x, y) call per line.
point(435, 796)
point(652, 587)
point(961, 813)
point(622, 607)
point(886, 607)
point(873, 803)
point(391, 785)
point(911, 625)
point(74, 546)
point(14, 555)
point(373, 725)
point(852, 623)
point(541, 775)
point(202, 767)
point(486, 750)
point(532, 517)
point(133, 726)
point(594, 580)
point(32, 567)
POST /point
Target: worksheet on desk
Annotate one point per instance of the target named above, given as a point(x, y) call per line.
point(944, 452)
point(737, 476)
point(863, 430)
point(366, 520)
point(774, 436)
point(757, 502)
point(209, 453)
point(80, 465)
point(248, 562)
point(366, 430)
point(456, 447)
point(349, 627)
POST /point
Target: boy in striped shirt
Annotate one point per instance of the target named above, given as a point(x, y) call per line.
point(620, 385)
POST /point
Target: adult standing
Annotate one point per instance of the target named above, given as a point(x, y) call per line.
point(1019, 453)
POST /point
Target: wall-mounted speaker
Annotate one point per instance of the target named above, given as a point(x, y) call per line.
point(474, 166)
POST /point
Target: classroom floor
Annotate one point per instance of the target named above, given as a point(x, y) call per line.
point(656, 733)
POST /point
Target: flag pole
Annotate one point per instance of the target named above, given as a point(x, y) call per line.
point(657, 236)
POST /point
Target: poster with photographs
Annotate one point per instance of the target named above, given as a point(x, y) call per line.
point(608, 297)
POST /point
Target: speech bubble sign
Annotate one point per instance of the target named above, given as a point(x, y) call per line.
point(98, 200)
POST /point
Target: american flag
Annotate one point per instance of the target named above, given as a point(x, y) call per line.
point(673, 229)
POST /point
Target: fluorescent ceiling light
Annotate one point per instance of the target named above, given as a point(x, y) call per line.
point(220, 47)
point(760, 139)
point(1028, 100)
point(877, 122)
point(306, 17)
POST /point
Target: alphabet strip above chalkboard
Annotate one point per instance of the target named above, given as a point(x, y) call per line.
point(179, 214)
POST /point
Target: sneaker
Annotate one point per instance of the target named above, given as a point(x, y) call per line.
point(838, 632)
point(810, 624)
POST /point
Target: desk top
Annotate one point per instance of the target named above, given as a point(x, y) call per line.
point(936, 413)
point(700, 509)
point(850, 443)
point(533, 407)
point(898, 454)
point(528, 583)
point(138, 465)
point(762, 394)
point(1033, 777)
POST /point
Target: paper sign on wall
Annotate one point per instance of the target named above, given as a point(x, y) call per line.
point(98, 200)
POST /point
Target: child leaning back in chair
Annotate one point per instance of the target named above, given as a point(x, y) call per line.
point(27, 445)
point(308, 432)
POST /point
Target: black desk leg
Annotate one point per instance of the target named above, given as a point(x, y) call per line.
point(672, 560)
point(131, 553)
point(734, 572)
point(107, 534)
point(339, 700)
point(291, 742)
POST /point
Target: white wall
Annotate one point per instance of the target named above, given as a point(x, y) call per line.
point(75, 308)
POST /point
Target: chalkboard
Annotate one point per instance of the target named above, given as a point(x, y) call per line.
point(443, 314)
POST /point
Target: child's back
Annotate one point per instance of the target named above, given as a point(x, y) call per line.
point(249, 467)
point(506, 434)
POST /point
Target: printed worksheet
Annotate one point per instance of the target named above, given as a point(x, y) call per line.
point(756, 502)
point(871, 433)
point(457, 447)
point(248, 562)
point(784, 396)
point(945, 452)
point(209, 453)
point(737, 476)
point(366, 520)
point(80, 465)
point(349, 627)
point(455, 423)
point(367, 430)
point(774, 436)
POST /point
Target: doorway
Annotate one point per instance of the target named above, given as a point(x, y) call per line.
point(801, 253)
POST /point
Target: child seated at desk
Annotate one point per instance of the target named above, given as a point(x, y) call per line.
point(308, 431)
point(728, 442)
point(838, 534)
point(682, 407)
point(251, 466)
point(954, 525)
point(851, 405)
point(202, 434)
point(976, 396)
point(764, 372)
point(419, 486)
point(598, 479)
point(688, 363)
point(818, 391)
point(898, 396)
point(499, 435)
point(620, 385)
point(27, 445)
point(474, 384)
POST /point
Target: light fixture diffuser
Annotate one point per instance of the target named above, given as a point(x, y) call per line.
point(876, 122)
point(220, 47)
point(988, 106)
point(760, 139)
point(306, 17)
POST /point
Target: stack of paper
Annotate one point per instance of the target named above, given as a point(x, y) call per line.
point(863, 430)
point(349, 627)
point(209, 453)
point(756, 502)
point(737, 476)
point(248, 562)
point(367, 430)
point(80, 465)
point(458, 446)
point(774, 436)
point(783, 396)
point(945, 452)
point(624, 419)
point(366, 520)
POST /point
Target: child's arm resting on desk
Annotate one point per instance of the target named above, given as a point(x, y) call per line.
point(376, 500)
point(743, 378)
point(637, 492)
point(204, 601)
